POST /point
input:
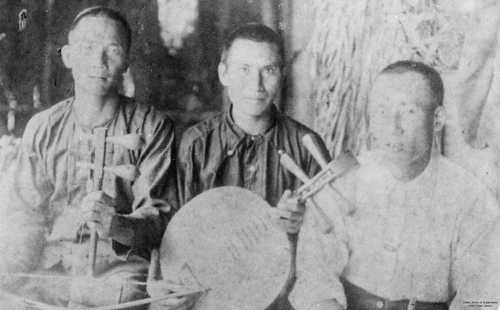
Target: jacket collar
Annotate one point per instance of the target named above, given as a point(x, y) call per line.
point(235, 135)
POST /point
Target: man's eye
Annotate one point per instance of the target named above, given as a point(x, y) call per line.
point(270, 70)
point(115, 50)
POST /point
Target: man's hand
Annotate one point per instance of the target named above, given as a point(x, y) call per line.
point(98, 208)
point(290, 213)
point(160, 288)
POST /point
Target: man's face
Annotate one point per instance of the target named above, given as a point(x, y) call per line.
point(401, 116)
point(96, 55)
point(252, 76)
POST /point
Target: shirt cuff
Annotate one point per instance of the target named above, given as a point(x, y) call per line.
point(121, 230)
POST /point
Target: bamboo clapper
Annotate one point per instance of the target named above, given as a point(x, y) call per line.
point(97, 168)
point(317, 191)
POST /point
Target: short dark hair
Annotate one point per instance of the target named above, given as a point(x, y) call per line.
point(108, 13)
point(433, 78)
point(254, 32)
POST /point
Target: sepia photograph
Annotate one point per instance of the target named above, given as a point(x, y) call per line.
point(250, 154)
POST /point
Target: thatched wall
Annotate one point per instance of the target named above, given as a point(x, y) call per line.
point(353, 40)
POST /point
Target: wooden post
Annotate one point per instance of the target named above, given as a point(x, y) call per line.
point(49, 49)
point(270, 13)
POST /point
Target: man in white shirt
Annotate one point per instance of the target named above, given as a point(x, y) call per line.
point(419, 228)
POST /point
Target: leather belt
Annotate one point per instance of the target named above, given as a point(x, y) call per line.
point(360, 299)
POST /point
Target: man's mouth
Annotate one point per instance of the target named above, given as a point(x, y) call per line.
point(256, 98)
point(395, 146)
point(97, 75)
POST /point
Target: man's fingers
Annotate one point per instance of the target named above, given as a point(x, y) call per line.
point(287, 221)
point(100, 197)
point(289, 215)
point(94, 212)
point(91, 216)
point(286, 195)
point(290, 202)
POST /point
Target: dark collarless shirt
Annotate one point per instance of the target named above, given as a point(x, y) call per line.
point(216, 152)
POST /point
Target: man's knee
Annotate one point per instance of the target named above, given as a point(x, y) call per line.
point(120, 284)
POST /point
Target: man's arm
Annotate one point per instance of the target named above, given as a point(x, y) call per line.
point(475, 264)
point(24, 193)
point(155, 195)
point(321, 259)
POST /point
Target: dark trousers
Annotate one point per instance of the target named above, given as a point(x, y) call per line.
point(360, 299)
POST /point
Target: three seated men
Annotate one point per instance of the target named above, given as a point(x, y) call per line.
point(419, 229)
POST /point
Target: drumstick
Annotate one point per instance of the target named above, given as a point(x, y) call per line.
point(154, 271)
point(315, 151)
point(98, 176)
point(288, 163)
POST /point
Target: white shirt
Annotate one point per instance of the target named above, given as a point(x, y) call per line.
point(427, 238)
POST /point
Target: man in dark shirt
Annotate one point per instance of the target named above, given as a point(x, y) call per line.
point(240, 146)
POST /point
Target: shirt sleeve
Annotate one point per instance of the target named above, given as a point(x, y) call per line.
point(188, 180)
point(475, 265)
point(321, 257)
point(24, 193)
point(155, 195)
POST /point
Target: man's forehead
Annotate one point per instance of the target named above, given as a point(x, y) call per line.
point(97, 28)
point(406, 80)
point(253, 52)
point(406, 88)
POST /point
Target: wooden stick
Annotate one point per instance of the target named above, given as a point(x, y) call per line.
point(98, 176)
point(126, 305)
point(288, 163)
point(150, 300)
point(315, 151)
point(154, 271)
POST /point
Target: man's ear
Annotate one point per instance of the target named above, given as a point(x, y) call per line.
point(439, 118)
point(222, 71)
point(66, 56)
point(126, 65)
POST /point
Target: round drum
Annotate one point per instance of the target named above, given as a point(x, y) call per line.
point(226, 239)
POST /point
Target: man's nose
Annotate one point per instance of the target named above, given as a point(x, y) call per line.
point(98, 57)
point(256, 81)
point(398, 123)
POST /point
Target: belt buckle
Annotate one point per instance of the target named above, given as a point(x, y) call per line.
point(411, 304)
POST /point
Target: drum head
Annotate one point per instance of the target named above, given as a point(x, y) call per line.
point(232, 247)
